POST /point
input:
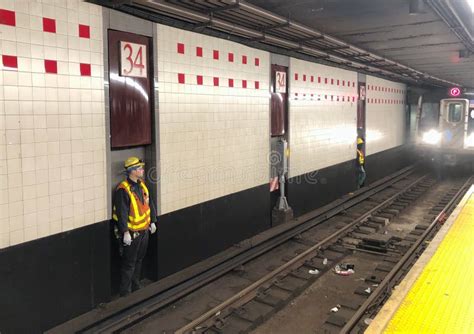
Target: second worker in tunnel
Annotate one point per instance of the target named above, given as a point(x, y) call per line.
point(135, 217)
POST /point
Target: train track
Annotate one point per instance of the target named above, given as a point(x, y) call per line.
point(251, 306)
point(354, 217)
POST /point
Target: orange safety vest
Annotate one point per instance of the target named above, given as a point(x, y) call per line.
point(360, 157)
point(139, 213)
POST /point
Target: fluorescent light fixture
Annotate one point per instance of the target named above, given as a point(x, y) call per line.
point(471, 4)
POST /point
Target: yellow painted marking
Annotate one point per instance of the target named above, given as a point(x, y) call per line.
point(442, 298)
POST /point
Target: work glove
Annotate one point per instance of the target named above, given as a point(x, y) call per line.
point(152, 228)
point(127, 239)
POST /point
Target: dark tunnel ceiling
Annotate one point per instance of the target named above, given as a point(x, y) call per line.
point(423, 41)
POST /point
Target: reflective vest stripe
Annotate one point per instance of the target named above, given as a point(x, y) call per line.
point(361, 157)
point(137, 221)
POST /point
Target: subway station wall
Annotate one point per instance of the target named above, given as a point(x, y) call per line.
point(52, 132)
point(212, 145)
point(385, 114)
point(214, 117)
point(323, 111)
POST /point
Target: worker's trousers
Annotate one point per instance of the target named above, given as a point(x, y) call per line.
point(131, 266)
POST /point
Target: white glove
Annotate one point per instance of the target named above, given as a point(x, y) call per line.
point(152, 228)
point(127, 239)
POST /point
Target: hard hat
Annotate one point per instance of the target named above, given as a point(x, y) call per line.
point(360, 141)
point(133, 162)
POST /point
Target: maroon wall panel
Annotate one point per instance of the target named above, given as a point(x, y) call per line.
point(130, 97)
point(278, 104)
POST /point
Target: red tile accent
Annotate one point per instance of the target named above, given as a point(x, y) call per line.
point(353, 84)
point(353, 99)
point(343, 82)
point(325, 97)
point(199, 79)
point(332, 81)
point(216, 81)
point(181, 78)
point(257, 62)
point(49, 25)
point(319, 79)
point(215, 54)
point(244, 83)
point(84, 31)
point(244, 59)
point(296, 76)
point(338, 82)
point(230, 57)
point(10, 61)
point(51, 66)
point(231, 82)
point(325, 80)
point(312, 78)
point(343, 99)
point(7, 17)
point(304, 77)
point(85, 69)
point(198, 51)
point(257, 85)
point(180, 48)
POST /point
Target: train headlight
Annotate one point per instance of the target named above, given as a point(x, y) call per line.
point(470, 140)
point(432, 137)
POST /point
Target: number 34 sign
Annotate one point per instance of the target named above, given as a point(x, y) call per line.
point(133, 60)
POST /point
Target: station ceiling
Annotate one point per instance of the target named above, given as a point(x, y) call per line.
point(435, 47)
point(423, 41)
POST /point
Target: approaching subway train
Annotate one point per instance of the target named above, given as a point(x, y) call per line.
point(449, 135)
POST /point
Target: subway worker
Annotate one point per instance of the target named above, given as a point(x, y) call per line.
point(361, 175)
point(135, 217)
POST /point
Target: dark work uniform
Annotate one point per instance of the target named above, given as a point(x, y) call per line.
point(132, 256)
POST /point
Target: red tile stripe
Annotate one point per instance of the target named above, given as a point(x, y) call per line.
point(7, 17)
point(216, 81)
point(85, 69)
point(84, 31)
point(49, 25)
point(342, 98)
point(181, 49)
point(385, 89)
point(51, 66)
point(10, 61)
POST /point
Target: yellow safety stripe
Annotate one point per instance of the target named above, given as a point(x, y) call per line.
point(137, 226)
point(361, 157)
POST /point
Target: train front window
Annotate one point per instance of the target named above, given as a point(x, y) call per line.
point(455, 112)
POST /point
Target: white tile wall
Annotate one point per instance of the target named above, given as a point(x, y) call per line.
point(323, 115)
point(52, 126)
point(214, 139)
point(385, 114)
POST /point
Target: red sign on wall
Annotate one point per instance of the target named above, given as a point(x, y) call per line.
point(133, 60)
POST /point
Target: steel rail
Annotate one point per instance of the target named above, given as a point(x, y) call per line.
point(134, 313)
point(403, 261)
point(249, 292)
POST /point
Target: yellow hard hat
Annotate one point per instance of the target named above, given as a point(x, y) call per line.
point(133, 162)
point(360, 141)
